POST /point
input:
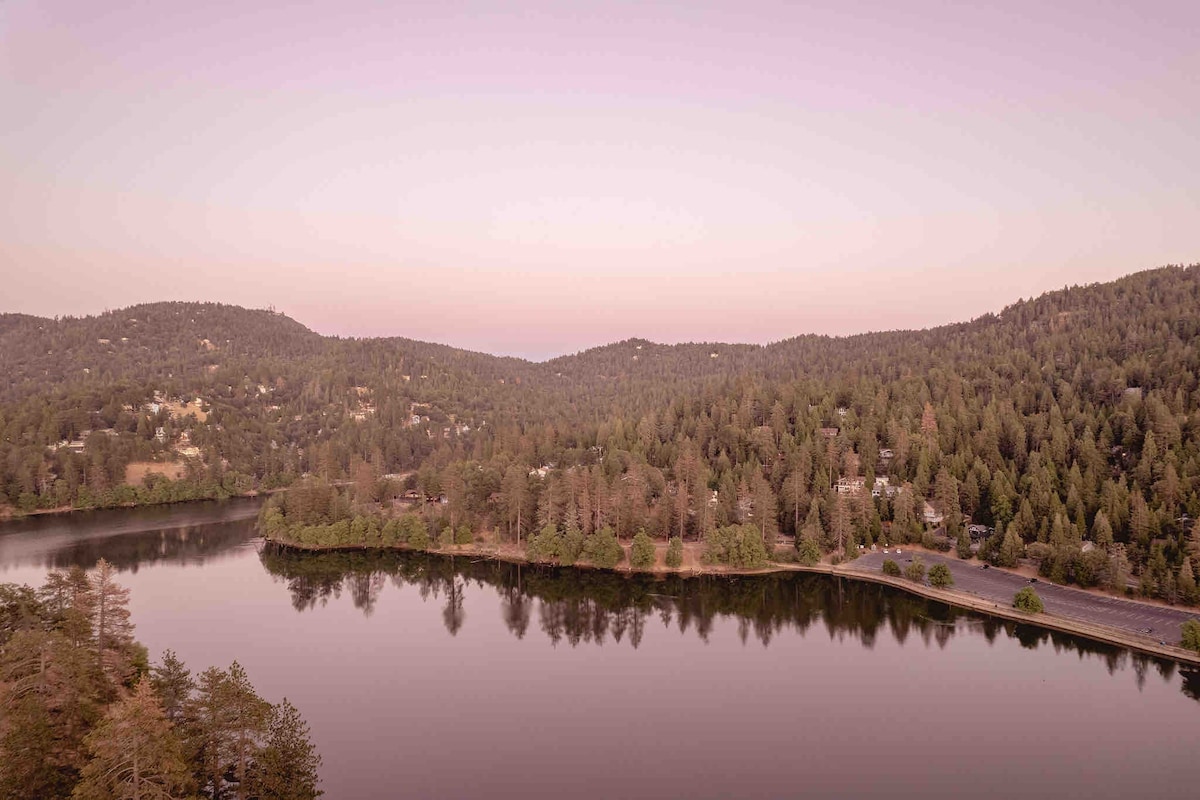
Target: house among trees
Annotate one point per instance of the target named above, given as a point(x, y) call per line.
point(979, 532)
point(931, 515)
point(853, 485)
point(883, 487)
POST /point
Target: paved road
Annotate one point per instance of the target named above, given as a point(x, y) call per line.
point(1000, 586)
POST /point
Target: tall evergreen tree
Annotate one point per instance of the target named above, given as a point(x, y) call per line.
point(135, 752)
point(286, 769)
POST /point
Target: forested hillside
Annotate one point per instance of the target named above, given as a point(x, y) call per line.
point(1064, 428)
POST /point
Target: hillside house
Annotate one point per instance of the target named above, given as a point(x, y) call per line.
point(851, 486)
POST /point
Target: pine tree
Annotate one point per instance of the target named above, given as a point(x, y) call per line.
point(49, 694)
point(207, 731)
point(174, 685)
point(247, 715)
point(675, 553)
point(641, 554)
point(286, 769)
point(764, 510)
point(1011, 548)
point(1102, 533)
point(111, 623)
point(1186, 583)
point(135, 753)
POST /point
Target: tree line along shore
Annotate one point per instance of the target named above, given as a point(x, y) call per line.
point(319, 517)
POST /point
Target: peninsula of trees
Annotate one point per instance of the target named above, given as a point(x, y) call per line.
point(1064, 430)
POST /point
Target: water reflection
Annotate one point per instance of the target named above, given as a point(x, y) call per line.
point(586, 607)
point(129, 538)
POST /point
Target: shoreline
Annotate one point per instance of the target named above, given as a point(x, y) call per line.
point(63, 511)
point(951, 597)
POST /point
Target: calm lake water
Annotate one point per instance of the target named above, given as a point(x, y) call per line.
point(424, 676)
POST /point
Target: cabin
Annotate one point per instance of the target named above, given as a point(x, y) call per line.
point(850, 485)
point(979, 532)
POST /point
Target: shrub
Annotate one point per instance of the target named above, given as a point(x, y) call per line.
point(735, 545)
point(463, 535)
point(446, 538)
point(940, 577)
point(808, 552)
point(412, 532)
point(963, 545)
point(641, 555)
point(543, 545)
point(916, 570)
point(418, 537)
point(1190, 634)
point(1028, 601)
point(675, 553)
point(890, 567)
point(602, 548)
point(570, 546)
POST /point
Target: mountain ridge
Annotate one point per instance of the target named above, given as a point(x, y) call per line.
point(13, 320)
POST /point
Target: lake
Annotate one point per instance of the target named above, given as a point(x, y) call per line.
point(430, 676)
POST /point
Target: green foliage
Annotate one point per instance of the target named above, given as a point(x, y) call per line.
point(641, 554)
point(287, 766)
point(674, 558)
point(1190, 635)
point(962, 546)
point(738, 546)
point(916, 570)
point(543, 545)
point(891, 568)
point(418, 536)
point(808, 552)
point(602, 549)
point(1027, 600)
point(463, 534)
point(940, 577)
point(570, 547)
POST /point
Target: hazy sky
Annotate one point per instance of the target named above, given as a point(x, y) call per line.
point(535, 178)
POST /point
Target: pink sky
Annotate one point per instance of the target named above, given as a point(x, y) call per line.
point(535, 178)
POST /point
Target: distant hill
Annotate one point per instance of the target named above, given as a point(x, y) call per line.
point(1068, 419)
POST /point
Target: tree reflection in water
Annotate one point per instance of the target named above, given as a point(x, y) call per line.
point(582, 606)
point(188, 544)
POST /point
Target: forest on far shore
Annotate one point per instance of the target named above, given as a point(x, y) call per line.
point(1064, 430)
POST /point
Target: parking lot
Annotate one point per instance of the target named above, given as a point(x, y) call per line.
point(1158, 622)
